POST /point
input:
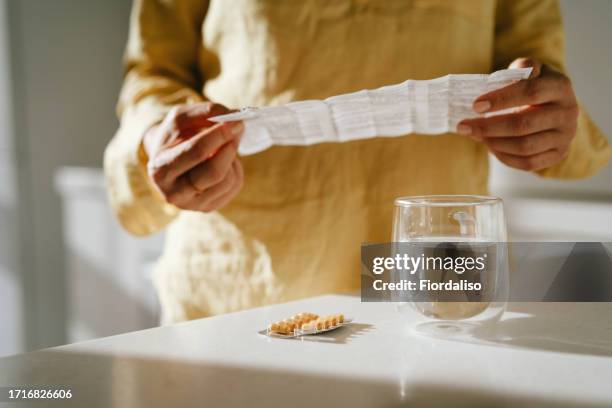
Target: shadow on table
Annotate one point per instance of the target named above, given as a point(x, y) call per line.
point(341, 335)
point(113, 381)
point(576, 328)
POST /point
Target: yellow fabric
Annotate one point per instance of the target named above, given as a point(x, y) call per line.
point(295, 229)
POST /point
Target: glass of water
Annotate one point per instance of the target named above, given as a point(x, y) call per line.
point(462, 279)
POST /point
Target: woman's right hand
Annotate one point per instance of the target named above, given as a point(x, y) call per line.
point(193, 162)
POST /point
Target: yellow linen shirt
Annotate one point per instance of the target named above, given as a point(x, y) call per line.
point(296, 227)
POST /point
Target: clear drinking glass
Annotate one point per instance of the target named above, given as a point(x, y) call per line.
point(456, 224)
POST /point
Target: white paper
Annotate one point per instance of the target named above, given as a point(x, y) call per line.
point(428, 107)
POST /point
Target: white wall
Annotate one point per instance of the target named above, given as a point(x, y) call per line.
point(67, 66)
point(11, 318)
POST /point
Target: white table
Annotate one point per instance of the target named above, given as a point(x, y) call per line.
point(543, 355)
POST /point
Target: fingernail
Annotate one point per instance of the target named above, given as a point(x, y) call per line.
point(482, 106)
point(464, 129)
point(236, 128)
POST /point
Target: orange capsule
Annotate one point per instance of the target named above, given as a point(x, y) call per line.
point(309, 326)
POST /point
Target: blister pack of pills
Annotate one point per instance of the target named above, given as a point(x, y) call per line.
point(303, 324)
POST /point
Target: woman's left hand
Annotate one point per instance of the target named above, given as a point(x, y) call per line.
point(539, 134)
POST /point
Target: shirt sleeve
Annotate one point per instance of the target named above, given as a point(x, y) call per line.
point(534, 29)
point(161, 70)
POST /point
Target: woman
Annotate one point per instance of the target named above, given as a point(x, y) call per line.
point(288, 222)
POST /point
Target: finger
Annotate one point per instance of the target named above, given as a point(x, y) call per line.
point(181, 194)
point(527, 63)
point(172, 162)
point(526, 145)
point(530, 120)
point(191, 118)
point(535, 162)
point(227, 197)
point(213, 170)
point(219, 190)
point(534, 91)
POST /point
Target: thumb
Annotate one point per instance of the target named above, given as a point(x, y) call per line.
point(196, 114)
point(527, 63)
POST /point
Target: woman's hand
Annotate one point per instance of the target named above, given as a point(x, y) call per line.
point(540, 133)
point(193, 161)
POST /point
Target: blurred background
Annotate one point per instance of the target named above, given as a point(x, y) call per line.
point(69, 273)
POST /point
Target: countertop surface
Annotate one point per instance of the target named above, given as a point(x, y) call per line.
point(547, 354)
